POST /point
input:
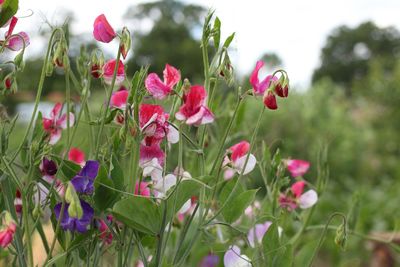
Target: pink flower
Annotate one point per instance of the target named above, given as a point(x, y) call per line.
point(76, 155)
point(56, 123)
point(233, 258)
point(105, 233)
point(144, 189)
point(18, 203)
point(151, 161)
point(296, 198)
point(108, 72)
point(160, 89)
point(194, 110)
point(257, 233)
point(270, 100)
point(237, 158)
point(260, 87)
point(119, 98)
point(297, 167)
point(153, 122)
point(16, 42)
point(7, 234)
point(102, 30)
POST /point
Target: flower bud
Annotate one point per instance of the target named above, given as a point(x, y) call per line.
point(282, 87)
point(270, 100)
point(71, 197)
point(125, 45)
point(341, 236)
point(59, 54)
point(7, 230)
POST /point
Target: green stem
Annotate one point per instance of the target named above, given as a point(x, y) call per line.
point(53, 243)
point(27, 227)
point(107, 104)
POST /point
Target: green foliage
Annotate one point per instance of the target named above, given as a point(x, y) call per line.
point(8, 9)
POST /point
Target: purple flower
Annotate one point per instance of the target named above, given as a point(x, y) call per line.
point(83, 181)
point(48, 167)
point(75, 224)
point(211, 260)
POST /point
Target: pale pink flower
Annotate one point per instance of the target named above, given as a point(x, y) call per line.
point(233, 258)
point(16, 42)
point(297, 167)
point(235, 161)
point(296, 198)
point(160, 89)
point(151, 161)
point(56, 123)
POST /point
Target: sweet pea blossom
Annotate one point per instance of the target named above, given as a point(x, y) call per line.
point(56, 123)
point(211, 260)
point(7, 230)
point(260, 87)
point(269, 100)
point(160, 89)
point(105, 233)
point(153, 122)
point(76, 155)
point(151, 161)
point(256, 234)
point(18, 203)
point(16, 42)
point(142, 189)
point(297, 167)
point(235, 161)
point(72, 223)
point(102, 30)
point(296, 198)
point(233, 258)
point(119, 98)
point(48, 169)
point(108, 72)
point(84, 180)
point(194, 110)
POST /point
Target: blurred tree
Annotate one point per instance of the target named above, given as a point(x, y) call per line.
point(272, 60)
point(348, 50)
point(170, 39)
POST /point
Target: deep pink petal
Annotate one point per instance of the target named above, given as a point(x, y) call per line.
point(119, 99)
point(15, 43)
point(171, 76)
point(298, 188)
point(239, 150)
point(156, 87)
point(76, 155)
point(56, 111)
point(297, 167)
point(102, 30)
point(108, 72)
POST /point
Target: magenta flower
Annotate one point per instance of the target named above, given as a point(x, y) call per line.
point(108, 72)
point(194, 110)
point(84, 180)
point(260, 87)
point(296, 198)
point(151, 161)
point(297, 167)
point(119, 98)
point(102, 30)
point(75, 224)
point(56, 123)
point(7, 233)
point(233, 258)
point(236, 159)
point(16, 42)
point(153, 122)
point(144, 189)
point(211, 260)
point(160, 89)
point(76, 155)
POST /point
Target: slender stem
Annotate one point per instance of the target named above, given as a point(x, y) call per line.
point(38, 94)
point(27, 227)
point(53, 243)
point(107, 104)
point(68, 98)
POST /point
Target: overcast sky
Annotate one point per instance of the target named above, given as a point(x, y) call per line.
point(295, 30)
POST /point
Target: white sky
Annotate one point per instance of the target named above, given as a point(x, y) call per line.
point(295, 30)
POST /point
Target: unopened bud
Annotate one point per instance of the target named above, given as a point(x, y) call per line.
point(270, 100)
point(125, 45)
point(341, 236)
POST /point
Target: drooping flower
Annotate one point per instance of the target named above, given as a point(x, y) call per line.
point(211, 260)
point(160, 89)
point(76, 155)
point(80, 225)
point(17, 41)
point(142, 189)
point(296, 198)
point(233, 258)
point(108, 72)
point(84, 180)
point(56, 123)
point(297, 167)
point(7, 230)
point(102, 30)
point(270, 100)
point(105, 233)
point(194, 110)
point(260, 87)
point(151, 161)
point(153, 122)
point(235, 161)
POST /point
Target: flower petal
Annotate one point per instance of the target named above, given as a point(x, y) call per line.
point(156, 87)
point(308, 199)
point(251, 163)
point(171, 76)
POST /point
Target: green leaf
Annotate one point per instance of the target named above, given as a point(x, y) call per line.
point(117, 174)
point(227, 189)
point(217, 32)
point(9, 8)
point(229, 40)
point(104, 195)
point(69, 169)
point(139, 213)
point(233, 210)
point(285, 259)
point(271, 243)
